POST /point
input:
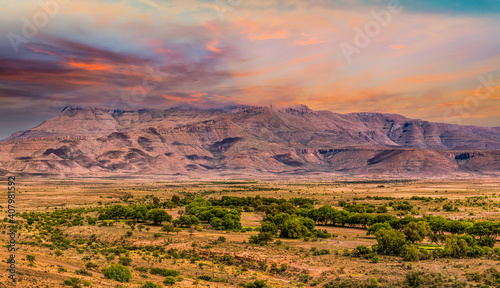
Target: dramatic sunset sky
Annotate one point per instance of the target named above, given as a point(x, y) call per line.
point(424, 59)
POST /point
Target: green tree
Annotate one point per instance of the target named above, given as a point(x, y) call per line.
point(139, 213)
point(269, 227)
point(390, 242)
point(170, 205)
point(378, 226)
point(416, 231)
point(176, 199)
point(293, 228)
point(186, 221)
point(158, 216)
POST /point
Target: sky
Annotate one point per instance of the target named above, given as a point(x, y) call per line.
point(431, 60)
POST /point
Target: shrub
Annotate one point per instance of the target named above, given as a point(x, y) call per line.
point(83, 272)
point(118, 272)
point(150, 284)
point(414, 279)
point(125, 261)
point(256, 284)
point(321, 252)
point(169, 280)
point(169, 227)
point(361, 250)
point(91, 265)
point(164, 272)
point(73, 282)
point(413, 253)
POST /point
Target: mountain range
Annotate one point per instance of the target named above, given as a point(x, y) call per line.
point(247, 140)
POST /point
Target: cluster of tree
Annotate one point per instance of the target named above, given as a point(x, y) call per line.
point(62, 217)
point(282, 219)
point(439, 225)
point(257, 201)
point(135, 212)
point(219, 218)
point(186, 221)
point(401, 243)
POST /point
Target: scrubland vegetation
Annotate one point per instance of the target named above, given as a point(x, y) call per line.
point(125, 233)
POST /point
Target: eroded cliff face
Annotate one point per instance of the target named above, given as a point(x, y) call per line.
point(89, 141)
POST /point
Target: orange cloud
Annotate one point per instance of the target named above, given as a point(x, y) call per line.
point(180, 99)
point(211, 46)
point(161, 50)
point(36, 50)
point(87, 66)
point(257, 31)
point(311, 41)
point(397, 47)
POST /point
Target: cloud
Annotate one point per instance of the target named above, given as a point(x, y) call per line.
point(397, 47)
point(311, 41)
point(261, 52)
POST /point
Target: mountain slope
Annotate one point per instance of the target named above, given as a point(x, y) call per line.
point(247, 139)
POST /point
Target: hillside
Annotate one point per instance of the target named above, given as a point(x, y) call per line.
point(245, 139)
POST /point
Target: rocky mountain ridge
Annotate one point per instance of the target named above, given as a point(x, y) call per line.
point(247, 139)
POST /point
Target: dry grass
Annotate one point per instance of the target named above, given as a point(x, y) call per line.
point(39, 195)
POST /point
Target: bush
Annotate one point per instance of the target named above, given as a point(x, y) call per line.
point(361, 250)
point(73, 282)
point(118, 272)
point(321, 252)
point(91, 265)
point(164, 272)
point(256, 284)
point(414, 279)
point(125, 261)
point(169, 227)
point(83, 272)
point(205, 277)
point(413, 253)
point(262, 237)
point(150, 284)
point(169, 280)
